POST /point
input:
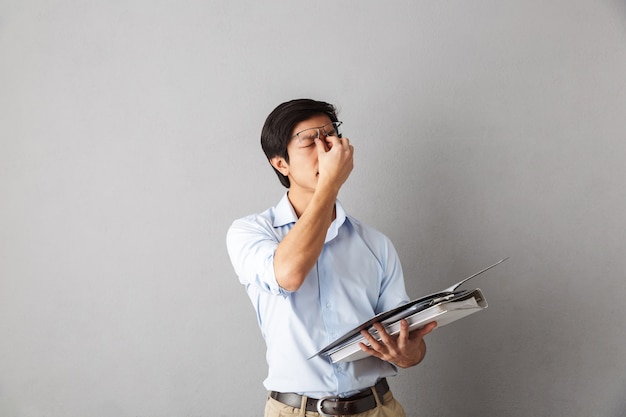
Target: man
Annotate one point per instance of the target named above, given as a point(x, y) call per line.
point(313, 273)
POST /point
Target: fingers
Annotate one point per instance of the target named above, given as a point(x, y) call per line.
point(405, 349)
point(403, 338)
point(335, 159)
point(373, 346)
point(322, 146)
point(382, 333)
point(404, 335)
point(345, 143)
point(385, 337)
point(423, 331)
point(386, 340)
point(379, 348)
point(330, 141)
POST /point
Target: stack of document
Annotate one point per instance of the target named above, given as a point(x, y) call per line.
point(444, 307)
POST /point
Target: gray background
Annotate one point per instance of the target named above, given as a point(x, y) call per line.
point(483, 129)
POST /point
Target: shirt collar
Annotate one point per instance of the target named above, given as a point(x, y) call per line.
point(285, 214)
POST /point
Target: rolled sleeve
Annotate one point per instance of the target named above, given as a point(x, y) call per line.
point(251, 247)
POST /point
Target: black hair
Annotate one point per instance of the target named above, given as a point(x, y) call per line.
point(278, 128)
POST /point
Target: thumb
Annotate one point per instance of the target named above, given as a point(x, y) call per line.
point(426, 329)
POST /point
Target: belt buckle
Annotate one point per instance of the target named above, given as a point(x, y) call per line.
point(320, 403)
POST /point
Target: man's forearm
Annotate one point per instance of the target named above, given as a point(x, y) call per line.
point(298, 252)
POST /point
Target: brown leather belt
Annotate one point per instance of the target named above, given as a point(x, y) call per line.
point(336, 406)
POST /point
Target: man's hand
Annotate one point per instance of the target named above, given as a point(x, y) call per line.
point(404, 350)
point(335, 160)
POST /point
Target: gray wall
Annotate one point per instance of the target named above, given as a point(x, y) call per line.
point(129, 142)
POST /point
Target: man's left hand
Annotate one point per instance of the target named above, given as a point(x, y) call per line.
point(404, 350)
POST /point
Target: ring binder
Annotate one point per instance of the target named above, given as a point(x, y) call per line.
point(443, 307)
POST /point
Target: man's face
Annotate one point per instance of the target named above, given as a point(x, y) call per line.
point(302, 168)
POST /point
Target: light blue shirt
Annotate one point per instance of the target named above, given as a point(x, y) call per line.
point(357, 275)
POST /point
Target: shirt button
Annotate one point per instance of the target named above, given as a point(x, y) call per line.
point(329, 305)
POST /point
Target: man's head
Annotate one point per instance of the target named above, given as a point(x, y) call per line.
point(278, 129)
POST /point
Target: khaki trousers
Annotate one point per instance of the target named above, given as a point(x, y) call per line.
point(389, 408)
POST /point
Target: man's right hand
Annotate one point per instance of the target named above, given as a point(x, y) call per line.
point(335, 161)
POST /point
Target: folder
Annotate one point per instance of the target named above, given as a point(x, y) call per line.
point(443, 307)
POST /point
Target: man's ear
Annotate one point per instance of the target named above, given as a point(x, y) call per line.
point(280, 164)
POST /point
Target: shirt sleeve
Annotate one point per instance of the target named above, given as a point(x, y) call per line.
point(392, 290)
point(251, 245)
